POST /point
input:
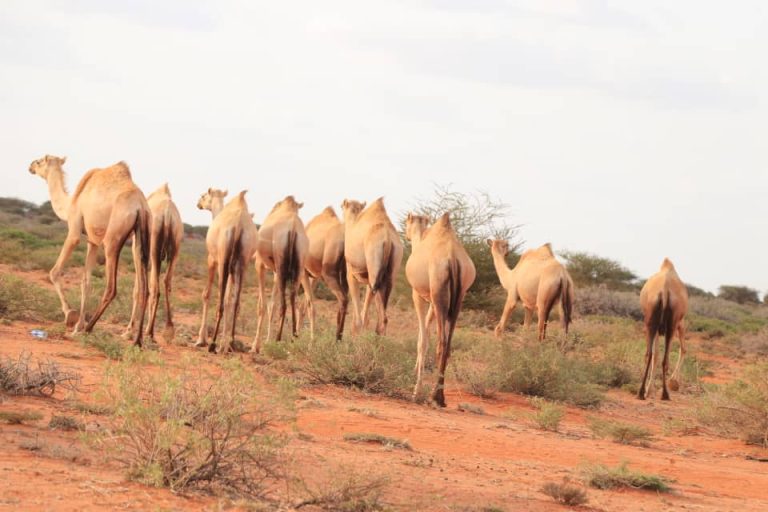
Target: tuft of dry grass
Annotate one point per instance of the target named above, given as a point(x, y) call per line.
point(601, 476)
point(565, 493)
point(19, 417)
point(23, 377)
point(624, 433)
point(387, 442)
point(65, 423)
point(467, 407)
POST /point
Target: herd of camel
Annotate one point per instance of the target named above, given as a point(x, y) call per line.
point(362, 250)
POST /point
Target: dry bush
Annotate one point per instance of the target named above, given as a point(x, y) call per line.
point(624, 433)
point(565, 493)
point(348, 491)
point(740, 408)
point(595, 300)
point(19, 417)
point(548, 415)
point(196, 430)
point(65, 423)
point(387, 442)
point(21, 376)
point(474, 409)
point(601, 476)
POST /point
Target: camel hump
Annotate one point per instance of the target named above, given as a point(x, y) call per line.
point(240, 198)
point(547, 249)
point(330, 212)
point(378, 204)
point(162, 191)
point(444, 222)
point(667, 264)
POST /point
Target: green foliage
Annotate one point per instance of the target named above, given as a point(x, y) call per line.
point(548, 415)
point(601, 476)
point(104, 342)
point(740, 408)
point(591, 270)
point(739, 294)
point(624, 433)
point(22, 300)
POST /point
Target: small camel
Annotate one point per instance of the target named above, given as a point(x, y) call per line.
point(440, 272)
point(325, 260)
point(538, 280)
point(283, 247)
point(167, 233)
point(373, 251)
point(230, 242)
point(664, 301)
point(108, 207)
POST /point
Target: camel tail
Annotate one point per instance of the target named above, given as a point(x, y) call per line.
point(168, 247)
point(454, 305)
point(658, 321)
point(289, 266)
point(341, 274)
point(383, 277)
point(566, 301)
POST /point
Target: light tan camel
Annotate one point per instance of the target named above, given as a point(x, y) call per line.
point(440, 272)
point(538, 281)
point(373, 251)
point(325, 260)
point(230, 242)
point(108, 207)
point(664, 301)
point(283, 247)
point(167, 233)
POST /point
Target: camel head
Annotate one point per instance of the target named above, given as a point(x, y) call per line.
point(350, 209)
point(206, 200)
point(499, 246)
point(415, 225)
point(43, 166)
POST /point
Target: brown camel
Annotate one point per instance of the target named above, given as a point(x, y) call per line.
point(283, 247)
point(440, 272)
point(230, 242)
point(664, 301)
point(167, 233)
point(325, 260)
point(538, 280)
point(108, 207)
point(373, 251)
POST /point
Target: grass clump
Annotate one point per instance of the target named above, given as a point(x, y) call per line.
point(195, 429)
point(624, 433)
point(104, 342)
point(370, 363)
point(348, 491)
point(22, 300)
point(467, 407)
point(565, 493)
point(548, 415)
point(601, 476)
point(65, 423)
point(387, 442)
point(740, 408)
point(19, 417)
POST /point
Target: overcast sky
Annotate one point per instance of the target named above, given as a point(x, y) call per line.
point(633, 130)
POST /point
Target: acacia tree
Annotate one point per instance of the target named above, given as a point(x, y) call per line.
point(475, 217)
point(739, 294)
point(591, 270)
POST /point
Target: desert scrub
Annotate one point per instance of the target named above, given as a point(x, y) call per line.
point(19, 417)
point(371, 363)
point(65, 423)
point(22, 300)
point(547, 415)
point(349, 490)
point(197, 429)
point(386, 442)
point(474, 368)
point(601, 476)
point(22, 376)
point(565, 493)
point(624, 433)
point(740, 408)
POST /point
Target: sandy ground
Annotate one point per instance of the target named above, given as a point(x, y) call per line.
point(460, 460)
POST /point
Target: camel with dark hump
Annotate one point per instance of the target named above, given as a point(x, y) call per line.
point(166, 235)
point(283, 247)
point(373, 251)
point(230, 242)
point(538, 280)
point(664, 302)
point(107, 207)
point(325, 260)
point(440, 272)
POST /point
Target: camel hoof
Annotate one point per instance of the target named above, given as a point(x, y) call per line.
point(212, 348)
point(674, 384)
point(127, 334)
point(71, 318)
point(665, 396)
point(497, 333)
point(201, 343)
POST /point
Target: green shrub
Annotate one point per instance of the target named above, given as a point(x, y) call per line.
point(624, 433)
point(600, 476)
point(548, 415)
point(22, 300)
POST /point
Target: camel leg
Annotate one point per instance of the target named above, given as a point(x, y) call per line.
point(509, 307)
point(354, 295)
point(203, 334)
point(169, 334)
point(278, 294)
point(649, 347)
point(154, 294)
point(680, 336)
point(381, 312)
point(73, 238)
point(85, 289)
point(292, 296)
point(423, 341)
point(367, 305)
point(112, 247)
point(665, 364)
point(260, 307)
point(528, 318)
point(342, 299)
point(543, 317)
point(309, 287)
point(236, 281)
point(136, 284)
point(442, 353)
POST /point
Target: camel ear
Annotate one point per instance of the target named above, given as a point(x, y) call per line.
point(210, 190)
point(62, 159)
point(363, 206)
point(300, 206)
point(47, 158)
point(410, 217)
point(344, 204)
point(490, 242)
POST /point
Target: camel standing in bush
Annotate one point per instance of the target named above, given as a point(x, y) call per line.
point(230, 242)
point(440, 272)
point(167, 233)
point(538, 280)
point(108, 207)
point(373, 251)
point(664, 301)
point(325, 260)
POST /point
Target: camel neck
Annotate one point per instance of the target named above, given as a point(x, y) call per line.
point(60, 200)
point(500, 264)
point(216, 206)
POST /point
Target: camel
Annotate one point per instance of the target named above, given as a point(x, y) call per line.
point(230, 241)
point(440, 272)
point(108, 207)
point(325, 260)
point(167, 232)
point(538, 281)
point(283, 246)
point(664, 301)
point(373, 251)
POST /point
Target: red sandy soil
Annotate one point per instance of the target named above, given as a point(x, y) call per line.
point(460, 460)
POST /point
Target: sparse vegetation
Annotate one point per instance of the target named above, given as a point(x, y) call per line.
point(19, 417)
point(21, 376)
point(565, 493)
point(591, 270)
point(548, 415)
point(474, 409)
point(601, 476)
point(624, 433)
point(21, 300)
point(65, 423)
point(387, 442)
point(349, 491)
point(739, 294)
